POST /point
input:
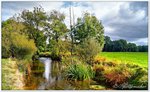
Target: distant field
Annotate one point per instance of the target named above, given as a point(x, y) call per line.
point(140, 58)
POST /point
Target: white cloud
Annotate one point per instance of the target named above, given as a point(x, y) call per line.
point(141, 41)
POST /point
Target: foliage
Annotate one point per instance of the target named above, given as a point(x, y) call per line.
point(143, 48)
point(122, 46)
point(34, 22)
point(88, 50)
point(116, 75)
point(22, 47)
point(7, 27)
point(89, 27)
point(59, 48)
point(56, 28)
point(99, 70)
point(79, 71)
point(131, 47)
point(45, 54)
point(15, 43)
point(139, 78)
point(120, 75)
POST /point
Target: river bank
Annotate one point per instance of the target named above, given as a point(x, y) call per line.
point(12, 78)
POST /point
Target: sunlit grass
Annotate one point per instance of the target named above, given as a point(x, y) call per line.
point(11, 77)
point(140, 58)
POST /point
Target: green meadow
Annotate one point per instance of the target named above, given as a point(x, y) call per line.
point(140, 58)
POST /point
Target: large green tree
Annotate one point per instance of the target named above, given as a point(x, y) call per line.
point(56, 27)
point(120, 45)
point(131, 47)
point(108, 43)
point(35, 21)
point(56, 30)
point(89, 27)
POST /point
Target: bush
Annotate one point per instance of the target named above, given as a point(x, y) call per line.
point(21, 47)
point(117, 75)
point(99, 70)
point(15, 42)
point(88, 50)
point(121, 76)
point(59, 49)
point(79, 72)
point(139, 78)
point(5, 52)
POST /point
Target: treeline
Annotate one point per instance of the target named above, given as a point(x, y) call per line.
point(24, 36)
point(122, 46)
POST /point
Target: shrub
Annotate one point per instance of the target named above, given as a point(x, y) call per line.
point(99, 70)
point(88, 50)
point(139, 78)
point(79, 72)
point(5, 52)
point(117, 75)
point(120, 75)
point(15, 42)
point(21, 47)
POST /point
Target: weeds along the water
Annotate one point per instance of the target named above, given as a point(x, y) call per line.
point(119, 75)
point(79, 71)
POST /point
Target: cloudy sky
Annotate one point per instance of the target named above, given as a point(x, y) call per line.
point(121, 20)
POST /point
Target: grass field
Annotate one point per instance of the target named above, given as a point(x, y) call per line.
point(140, 58)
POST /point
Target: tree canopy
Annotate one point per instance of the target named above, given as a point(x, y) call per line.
point(121, 45)
point(89, 27)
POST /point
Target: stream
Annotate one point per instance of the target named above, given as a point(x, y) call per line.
point(51, 73)
point(50, 77)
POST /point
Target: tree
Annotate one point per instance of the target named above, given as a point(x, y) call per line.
point(131, 47)
point(143, 48)
point(8, 27)
point(89, 27)
point(107, 45)
point(55, 31)
point(56, 27)
point(121, 45)
point(14, 42)
point(34, 22)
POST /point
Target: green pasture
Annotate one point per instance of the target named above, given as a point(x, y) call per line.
point(140, 58)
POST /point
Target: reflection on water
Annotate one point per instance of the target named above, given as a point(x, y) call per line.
point(49, 77)
point(47, 63)
point(52, 72)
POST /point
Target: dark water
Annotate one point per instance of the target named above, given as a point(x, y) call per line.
point(47, 75)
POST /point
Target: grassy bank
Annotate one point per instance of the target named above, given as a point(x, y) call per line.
point(122, 70)
point(140, 58)
point(11, 77)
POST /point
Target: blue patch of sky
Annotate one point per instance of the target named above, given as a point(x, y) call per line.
point(75, 4)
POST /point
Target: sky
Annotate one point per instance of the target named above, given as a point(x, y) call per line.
point(121, 20)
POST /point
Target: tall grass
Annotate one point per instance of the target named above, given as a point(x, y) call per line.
point(79, 71)
point(11, 77)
